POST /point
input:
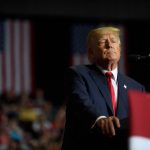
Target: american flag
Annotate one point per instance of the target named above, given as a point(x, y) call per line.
point(15, 56)
point(79, 32)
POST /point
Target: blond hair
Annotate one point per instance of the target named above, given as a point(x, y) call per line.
point(95, 33)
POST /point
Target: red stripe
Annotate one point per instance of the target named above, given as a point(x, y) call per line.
point(139, 113)
point(12, 40)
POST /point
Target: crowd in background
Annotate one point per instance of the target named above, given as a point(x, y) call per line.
point(30, 123)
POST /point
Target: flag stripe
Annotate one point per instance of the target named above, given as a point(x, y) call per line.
point(21, 58)
point(7, 55)
point(27, 61)
point(78, 59)
point(11, 48)
point(139, 143)
point(139, 110)
point(15, 57)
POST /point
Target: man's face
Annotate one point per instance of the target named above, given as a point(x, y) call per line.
point(107, 47)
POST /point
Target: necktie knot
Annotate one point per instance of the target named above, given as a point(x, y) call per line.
point(108, 74)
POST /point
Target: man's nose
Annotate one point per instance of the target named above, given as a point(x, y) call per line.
point(108, 44)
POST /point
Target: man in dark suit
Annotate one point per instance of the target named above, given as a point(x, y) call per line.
point(93, 121)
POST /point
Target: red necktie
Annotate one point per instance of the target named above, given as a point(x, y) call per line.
point(111, 90)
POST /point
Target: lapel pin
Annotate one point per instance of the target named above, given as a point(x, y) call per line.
point(125, 86)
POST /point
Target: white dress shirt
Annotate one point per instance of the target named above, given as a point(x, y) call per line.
point(114, 83)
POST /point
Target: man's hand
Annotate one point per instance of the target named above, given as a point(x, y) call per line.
point(108, 125)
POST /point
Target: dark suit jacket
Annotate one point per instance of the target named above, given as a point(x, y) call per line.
point(88, 98)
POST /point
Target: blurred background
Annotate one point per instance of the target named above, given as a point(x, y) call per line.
point(38, 41)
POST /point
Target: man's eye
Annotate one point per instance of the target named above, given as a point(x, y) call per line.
point(101, 42)
point(114, 41)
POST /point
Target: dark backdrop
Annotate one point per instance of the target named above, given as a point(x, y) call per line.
point(52, 51)
point(51, 55)
point(51, 23)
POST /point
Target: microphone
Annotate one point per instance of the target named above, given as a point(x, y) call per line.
point(138, 57)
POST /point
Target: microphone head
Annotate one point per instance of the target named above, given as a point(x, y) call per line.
point(134, 57)
point(139, 58)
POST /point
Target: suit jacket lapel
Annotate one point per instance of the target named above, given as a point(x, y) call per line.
point(100, 81)
point(122, 96)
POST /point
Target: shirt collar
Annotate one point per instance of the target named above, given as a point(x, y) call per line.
point(114, 72)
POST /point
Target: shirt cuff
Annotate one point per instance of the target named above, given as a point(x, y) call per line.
point(100, 117)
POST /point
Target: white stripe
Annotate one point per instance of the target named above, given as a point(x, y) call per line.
point(26, 53)
point(1, 78)
point(17, 55)
point(139, 143)
point(7, 50)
